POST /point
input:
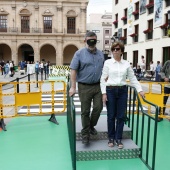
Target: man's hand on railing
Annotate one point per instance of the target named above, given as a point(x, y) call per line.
point(72, 91)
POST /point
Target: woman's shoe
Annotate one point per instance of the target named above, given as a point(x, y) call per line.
point(111, 143)
point(119, 144)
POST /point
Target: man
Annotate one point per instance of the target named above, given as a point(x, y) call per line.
point(86, 67)
point(165, 77)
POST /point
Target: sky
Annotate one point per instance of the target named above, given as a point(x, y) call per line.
point(99, 6)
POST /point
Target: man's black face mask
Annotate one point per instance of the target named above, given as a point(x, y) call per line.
point(91, 42)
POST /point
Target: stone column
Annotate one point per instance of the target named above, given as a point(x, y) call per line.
point(60, 17)
point(59, 52)
point(14, 52)
point(83, 18)
point(36, 51)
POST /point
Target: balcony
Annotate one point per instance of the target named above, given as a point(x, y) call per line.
point(164, 26)
point(149, 30)
point(133, 35)
point(18, 30)
point(149, 5)
point(31, 30)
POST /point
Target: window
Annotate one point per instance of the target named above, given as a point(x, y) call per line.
point(167, 3)
point(135, 58)
point(47, 24)
point(116, 17)
point(125, 55)
point(137, 11)
point(124, 38)
point(3, 23)
point(150, 26)
point(71, 25)
point(124, 18)
point(149, 58)
point(137, 33)
point(151, 7)
point(166, 54)
point(106, 31)
point(25, 24)
point(96, 31)
point(106, 41)
point(165, 29)
point(116, 1)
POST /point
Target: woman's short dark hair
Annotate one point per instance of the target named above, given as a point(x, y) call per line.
point(118, 43)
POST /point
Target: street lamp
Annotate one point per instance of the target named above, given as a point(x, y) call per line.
point(106, 53)
point(114, 39)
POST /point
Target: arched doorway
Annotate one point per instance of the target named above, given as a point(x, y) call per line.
point(68, 54)
point(26, 53)
point(48, 53)
point(5, 53)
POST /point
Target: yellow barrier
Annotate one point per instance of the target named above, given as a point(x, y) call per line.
point(155, 94)
point(30, 97)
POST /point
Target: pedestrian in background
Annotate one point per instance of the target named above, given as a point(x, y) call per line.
point(7, 68)
point(152, 68)
point(86, 66)
point(158, 70)
point(115, 93)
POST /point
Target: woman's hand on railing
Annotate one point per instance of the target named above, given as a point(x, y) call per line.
point(142, 94)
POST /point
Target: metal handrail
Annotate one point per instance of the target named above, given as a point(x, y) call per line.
point(134, 101)
point(71, 126)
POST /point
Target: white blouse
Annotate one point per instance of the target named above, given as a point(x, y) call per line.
point(116, 74)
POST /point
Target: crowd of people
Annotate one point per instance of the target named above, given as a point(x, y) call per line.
point(40, 66)
point(8, 67)
point(153, 72)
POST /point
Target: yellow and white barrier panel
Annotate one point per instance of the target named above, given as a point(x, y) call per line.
point(154, 92)
point(48, 98)
point(59, 72)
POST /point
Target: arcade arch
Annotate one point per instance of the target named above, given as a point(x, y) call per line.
point(48, 53)
point(68, 54)
point(5, 53)
point(26, 53)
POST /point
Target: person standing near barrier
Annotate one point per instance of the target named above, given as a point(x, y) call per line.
point(165, 77)
point(7, 68)
point(158, 70)
point(113, 85)
point(86, 66)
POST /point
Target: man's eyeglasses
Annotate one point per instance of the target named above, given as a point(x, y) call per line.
point(117, 49)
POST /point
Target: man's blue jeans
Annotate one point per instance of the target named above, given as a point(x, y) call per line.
point(116, 106)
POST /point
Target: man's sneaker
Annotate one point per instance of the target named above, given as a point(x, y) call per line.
point(93, 131)
point(119, 144)
point(85, 140)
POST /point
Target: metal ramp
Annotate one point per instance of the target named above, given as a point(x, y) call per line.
point(98, 149)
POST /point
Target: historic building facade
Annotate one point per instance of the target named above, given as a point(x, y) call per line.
point(143, 27)
point(33, 30)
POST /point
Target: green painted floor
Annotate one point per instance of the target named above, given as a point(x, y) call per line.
point(34, 143)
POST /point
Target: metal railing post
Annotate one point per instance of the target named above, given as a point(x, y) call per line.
point(29, 81)
point(17, 84)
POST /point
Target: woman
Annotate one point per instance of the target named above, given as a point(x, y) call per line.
point(6, 68)
point(114, 90)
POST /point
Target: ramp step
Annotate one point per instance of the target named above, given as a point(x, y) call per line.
point(98, 150)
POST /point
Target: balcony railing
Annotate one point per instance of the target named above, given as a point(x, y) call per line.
point(35, 30)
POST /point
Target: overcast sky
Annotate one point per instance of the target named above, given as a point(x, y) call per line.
point(99, 6)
